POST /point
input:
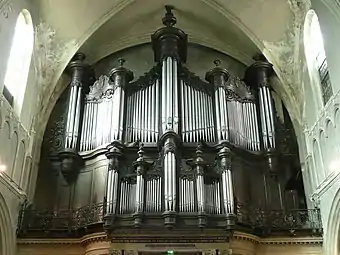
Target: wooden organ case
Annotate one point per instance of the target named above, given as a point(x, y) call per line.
point(185, 158)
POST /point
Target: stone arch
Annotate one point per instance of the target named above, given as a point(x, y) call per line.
point(317, 158)
point(332, 235)
point(7, 233)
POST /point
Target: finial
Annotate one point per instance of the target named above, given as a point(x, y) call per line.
point(260, 57)
point(199, 151)
point(217, 62)
point(140, 152)
point(169, 19)
point(79, 56)
point(121, 61)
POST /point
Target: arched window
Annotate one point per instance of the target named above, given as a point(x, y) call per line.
point(19, 61)
point(316, 56)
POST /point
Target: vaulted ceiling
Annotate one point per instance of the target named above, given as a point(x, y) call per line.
point(239, 28)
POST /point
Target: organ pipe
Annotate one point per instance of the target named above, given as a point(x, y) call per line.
point(75, 101)
point(69, 158)
point(113, 155)
point(120, 77)
point(227, 185)
point(103, 118)
point(140, 165)
point(218, 77)
point(169, 46)
point(199, 167)
point(258, 76)
point(142, 114)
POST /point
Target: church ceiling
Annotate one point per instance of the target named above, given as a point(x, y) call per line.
point(239, 28)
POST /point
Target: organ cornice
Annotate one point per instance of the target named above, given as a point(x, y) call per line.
point(238, 236)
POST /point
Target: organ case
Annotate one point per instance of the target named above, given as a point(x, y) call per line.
point(175, 143)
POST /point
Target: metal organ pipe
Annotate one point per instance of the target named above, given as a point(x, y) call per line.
point(113, 155)
point(142, 114)
point(77, 69)
point(199, 165)
point(258, 75)
point(226, 178)
point(104, 109)
point(168, 43)
point(218, 77)
point(140, 165)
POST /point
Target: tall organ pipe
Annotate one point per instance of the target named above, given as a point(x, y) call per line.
point(112, 182)
point(120, 77)
point(70, 161)
point(169, 45)
point(218, 77)
point(227, 185)
point(140, 165)
point(200, 187)
point(75, 101)
point(257, 76)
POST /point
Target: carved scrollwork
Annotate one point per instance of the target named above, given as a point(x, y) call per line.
point(145, 81)
point(130, 179)
point(195, 81)
point(237, 90)
point(102, 88)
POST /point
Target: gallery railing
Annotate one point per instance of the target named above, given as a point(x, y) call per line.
point(84, 220)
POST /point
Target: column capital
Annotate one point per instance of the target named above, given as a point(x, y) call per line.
point(259, 72)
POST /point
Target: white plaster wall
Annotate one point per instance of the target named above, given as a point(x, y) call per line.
point(15, 138)
point(321, 160)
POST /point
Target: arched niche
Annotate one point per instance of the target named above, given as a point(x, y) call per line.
point(8, 149)
point(7, 234)
point(332, 234)
point(19, 164)
point(19, 60)
point(317, 160)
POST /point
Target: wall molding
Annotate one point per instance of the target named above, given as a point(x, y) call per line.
point(238, 236)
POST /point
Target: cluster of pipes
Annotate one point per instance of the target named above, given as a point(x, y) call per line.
point(170, 112)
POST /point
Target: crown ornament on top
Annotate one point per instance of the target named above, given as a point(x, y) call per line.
point(217, 62)
point(169, 19)
point(121, 61)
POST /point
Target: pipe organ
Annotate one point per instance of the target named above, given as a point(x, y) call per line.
point(173, 141)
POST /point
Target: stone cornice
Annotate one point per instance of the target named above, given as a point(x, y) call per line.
point(325, 186)
point(49, 241)
point(12, 186)
point(292, 241)
point(93, 238)
point(101, 237)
